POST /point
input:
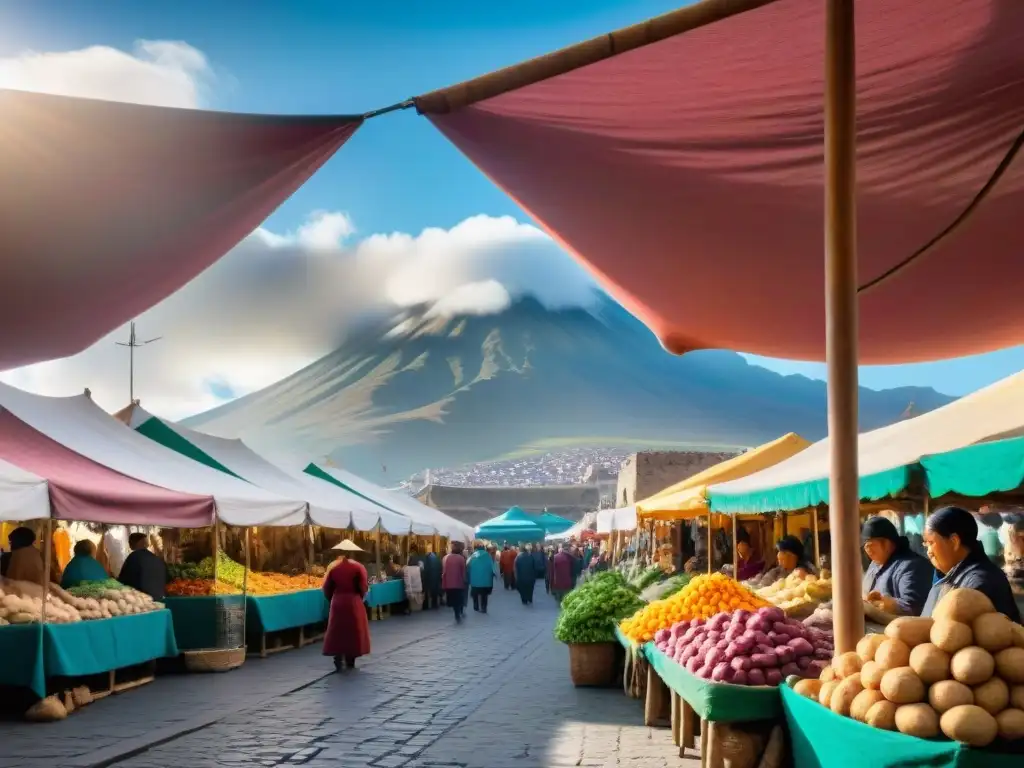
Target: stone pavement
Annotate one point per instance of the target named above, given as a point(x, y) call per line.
point(491, 693)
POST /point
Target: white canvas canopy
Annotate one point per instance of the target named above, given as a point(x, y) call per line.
point(329, 506)
point(621, 519)
point(406, 505)
point(885, 454)
point(23, 495)
point(576, 531)
point(83, 427)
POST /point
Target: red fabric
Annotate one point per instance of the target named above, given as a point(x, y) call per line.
point(508, 561)
point(453, 571)
point(348, 631)
point(81, 489)
point(688, 176)
point(561, 576)
point(107, 208)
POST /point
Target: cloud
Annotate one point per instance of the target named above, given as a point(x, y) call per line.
point(159, 72)
point(279, 301)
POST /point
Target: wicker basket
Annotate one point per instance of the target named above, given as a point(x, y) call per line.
point(592, 664)
point(214, 659)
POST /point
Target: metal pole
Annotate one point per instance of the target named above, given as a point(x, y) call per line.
point(817, 544)
point(376, 542)
point(841, 317)
point(735, 552)
point(245, 589)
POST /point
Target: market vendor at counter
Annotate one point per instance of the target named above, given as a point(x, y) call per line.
point(83, 566)
point(142, 570)
point(24, 562)
point(749, 566)
point(951, 538)
point(897, 579)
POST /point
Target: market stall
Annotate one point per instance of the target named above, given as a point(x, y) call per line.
point(513, 525)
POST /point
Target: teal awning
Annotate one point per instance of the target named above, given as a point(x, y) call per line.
point(553, 523)
point(977, 470)
point(811, 493)
point(513, 525)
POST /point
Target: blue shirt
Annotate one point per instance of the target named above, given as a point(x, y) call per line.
point(976, 572)
point(80, 569)
point(906, 577)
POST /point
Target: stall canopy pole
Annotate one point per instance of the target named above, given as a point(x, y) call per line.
point(817, 542)
point(245, 586)
point(735, 552)
point(47, 565)
point(711, 549)
point(841, 317)
point(376, 547)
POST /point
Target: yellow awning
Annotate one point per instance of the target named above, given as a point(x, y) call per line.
point(688, 499)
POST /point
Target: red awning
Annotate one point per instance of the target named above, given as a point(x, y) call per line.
point(107, 208)
point(81, 489)
point(687, 174)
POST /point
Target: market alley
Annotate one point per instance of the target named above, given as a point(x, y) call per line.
point(493, 692)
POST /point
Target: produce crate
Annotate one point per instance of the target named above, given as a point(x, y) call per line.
point(107, 683)
point(592, 664)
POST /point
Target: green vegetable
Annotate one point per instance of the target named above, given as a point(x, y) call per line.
point(95, 588)
point(591, 611)
point(666, 588)
point(652, 575)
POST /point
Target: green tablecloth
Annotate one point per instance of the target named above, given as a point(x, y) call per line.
point(822, 739)
point(91, 647)
point(21, 657)
point(196, 619)
point(717, 702)
point(31, 653)
point(385, 593)
point(276, 612)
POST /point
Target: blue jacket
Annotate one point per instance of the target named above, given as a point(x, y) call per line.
point(525, 568)
point(480, 569)
point(906, 577)
point(540, 563)
point(976, 571)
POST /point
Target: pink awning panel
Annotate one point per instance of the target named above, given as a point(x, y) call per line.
point(687, 175)
point(81, 489)
point(107, 208)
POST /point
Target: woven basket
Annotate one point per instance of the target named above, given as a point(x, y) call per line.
point(592, 664)
point(214, 659)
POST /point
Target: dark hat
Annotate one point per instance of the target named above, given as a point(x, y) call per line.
point(879, 528)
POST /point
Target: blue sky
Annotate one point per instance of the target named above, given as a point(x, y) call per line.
point(398, 173)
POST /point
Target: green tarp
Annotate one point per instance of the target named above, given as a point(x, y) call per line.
point(158, 432)
point(977, 470)
point(811, 493)
point(822, 739)
point(276, 612)
point(716, 702)
point(33, 653)
point(197, 619)
point(385, 593)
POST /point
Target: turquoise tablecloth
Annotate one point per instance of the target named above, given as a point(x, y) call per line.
point(276, 612)
point(822, 739)
point(31, 653)
point(196, 619)
point(385, 593)
point(717, 702)
point(21, 657)
point(91, 647)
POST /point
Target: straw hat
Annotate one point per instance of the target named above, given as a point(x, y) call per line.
point(348, 546)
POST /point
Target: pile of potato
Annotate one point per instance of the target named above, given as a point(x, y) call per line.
point(111, 603)
point(959, 673)
point(27, 609)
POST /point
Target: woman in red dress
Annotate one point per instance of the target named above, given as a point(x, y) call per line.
point(348, 631)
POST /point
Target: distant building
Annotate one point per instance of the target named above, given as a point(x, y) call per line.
point(475, 504)
point(644, 474)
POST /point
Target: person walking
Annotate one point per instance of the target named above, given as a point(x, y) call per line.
point(549, 570)
point(540, 563)
point(526, 575)
point(508, 571)
point(432, 581)
point(563, 568)
point(481, 578)
point(453, 580)
point(348, 631)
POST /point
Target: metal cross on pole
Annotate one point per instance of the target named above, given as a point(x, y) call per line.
point(132, 344)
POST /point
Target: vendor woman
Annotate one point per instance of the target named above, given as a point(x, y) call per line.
point(951, 538)
point(790, 558)
point(83, 566)
point(748, 566)
point(898, 579)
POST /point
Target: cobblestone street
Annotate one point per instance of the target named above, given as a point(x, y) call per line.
point(491, 693)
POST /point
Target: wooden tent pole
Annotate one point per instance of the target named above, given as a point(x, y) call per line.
point(47, 565)
point(817, 544)
point(841, 317)
point(735, 553)
point(245, 585)
point(376, 547)
point(711, 551)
